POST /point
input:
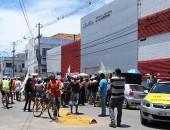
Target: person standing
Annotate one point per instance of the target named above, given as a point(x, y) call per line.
point(74, 88)
point(103, 93)
point(117, 97)
point(17, 88)
point(55, 87)
point(13, 87)
point(28, 94)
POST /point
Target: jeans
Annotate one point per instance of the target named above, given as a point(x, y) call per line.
point(103, 104)
point(58, 102)
point(116, 102)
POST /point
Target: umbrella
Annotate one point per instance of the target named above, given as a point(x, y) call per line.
point(83, 75)
point(134, 71)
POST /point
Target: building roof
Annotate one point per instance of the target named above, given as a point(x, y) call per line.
point(52, 40)
point(67, 36)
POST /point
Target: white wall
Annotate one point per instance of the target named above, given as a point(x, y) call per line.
point(155, 47)
point(152, 6)
point(112, 39)
point(54, 59)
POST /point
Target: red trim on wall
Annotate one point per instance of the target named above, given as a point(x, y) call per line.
point(154, 24)
point(70, 55)
point(158, 66)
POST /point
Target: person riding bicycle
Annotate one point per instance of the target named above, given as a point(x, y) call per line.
point(6, 87)
point(39, 87)
point(55, 86)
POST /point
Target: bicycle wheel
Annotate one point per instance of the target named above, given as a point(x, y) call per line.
point(52, 111)
point(37, 108)
point(4, 101)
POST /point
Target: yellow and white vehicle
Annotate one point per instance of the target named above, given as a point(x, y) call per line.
point(156, 104)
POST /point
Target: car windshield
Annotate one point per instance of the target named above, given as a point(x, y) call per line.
point(161, 88)
point(137, 88)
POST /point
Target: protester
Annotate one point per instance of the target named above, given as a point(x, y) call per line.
point(28, 94)
point(94, 90)
point(74, 97)
point(82, 91)
point(39, 87)
point(13, 87)
point(103, 93)
point(17, 88)
point(55, 87)
point(117, 97)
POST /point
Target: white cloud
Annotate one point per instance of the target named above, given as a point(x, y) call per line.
point(13, 25)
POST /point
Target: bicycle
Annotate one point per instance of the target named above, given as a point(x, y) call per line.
point(5, 99)
point(42, 104)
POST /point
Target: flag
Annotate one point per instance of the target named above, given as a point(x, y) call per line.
point(102, 67)
point(68, 71)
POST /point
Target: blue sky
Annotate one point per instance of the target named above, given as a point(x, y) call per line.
point(14, 28)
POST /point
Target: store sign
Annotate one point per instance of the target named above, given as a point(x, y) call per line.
point(98, 18)
point(103, 16)
point(88, 23)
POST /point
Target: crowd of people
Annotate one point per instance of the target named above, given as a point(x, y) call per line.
point(73, 91)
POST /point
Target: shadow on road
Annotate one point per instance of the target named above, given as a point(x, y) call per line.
point(8, 107)
point(125, 126)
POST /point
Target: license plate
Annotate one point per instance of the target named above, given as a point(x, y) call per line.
point(161, 113)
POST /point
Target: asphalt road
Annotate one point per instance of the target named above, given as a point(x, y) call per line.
point(15, 119)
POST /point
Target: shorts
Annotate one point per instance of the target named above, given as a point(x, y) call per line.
point(76, 101)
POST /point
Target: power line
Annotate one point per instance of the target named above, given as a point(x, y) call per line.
point(86, 4)
point(22, 5)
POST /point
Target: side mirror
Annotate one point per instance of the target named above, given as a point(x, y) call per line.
point(146, 91)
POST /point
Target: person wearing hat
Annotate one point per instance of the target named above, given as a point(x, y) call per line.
point(74, 87)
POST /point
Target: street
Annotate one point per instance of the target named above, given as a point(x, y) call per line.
point(15, 119)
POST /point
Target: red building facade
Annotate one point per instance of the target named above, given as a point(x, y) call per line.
point(70, 56)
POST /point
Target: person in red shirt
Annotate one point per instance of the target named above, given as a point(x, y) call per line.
point(55, 86)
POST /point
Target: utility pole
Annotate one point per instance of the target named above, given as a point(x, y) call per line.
point(39, 55)
point(13, 60)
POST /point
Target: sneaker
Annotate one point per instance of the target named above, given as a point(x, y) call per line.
point(112, 125)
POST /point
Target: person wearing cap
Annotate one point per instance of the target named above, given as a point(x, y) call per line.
point(74, 87)
point(103, 93)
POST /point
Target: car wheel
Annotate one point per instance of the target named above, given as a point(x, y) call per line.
point(142, 120)
point(125, 104)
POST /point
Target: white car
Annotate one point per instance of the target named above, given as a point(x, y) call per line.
point(134, 94)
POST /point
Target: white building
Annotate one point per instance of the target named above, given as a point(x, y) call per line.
point(109, 35)
point(7, 69)
point(31, 50)
point(54, 60)
point(117, 35)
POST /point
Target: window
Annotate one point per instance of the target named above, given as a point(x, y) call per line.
point(44, 52)
point(44, 70)
point(23, 65)
point(8, 64)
